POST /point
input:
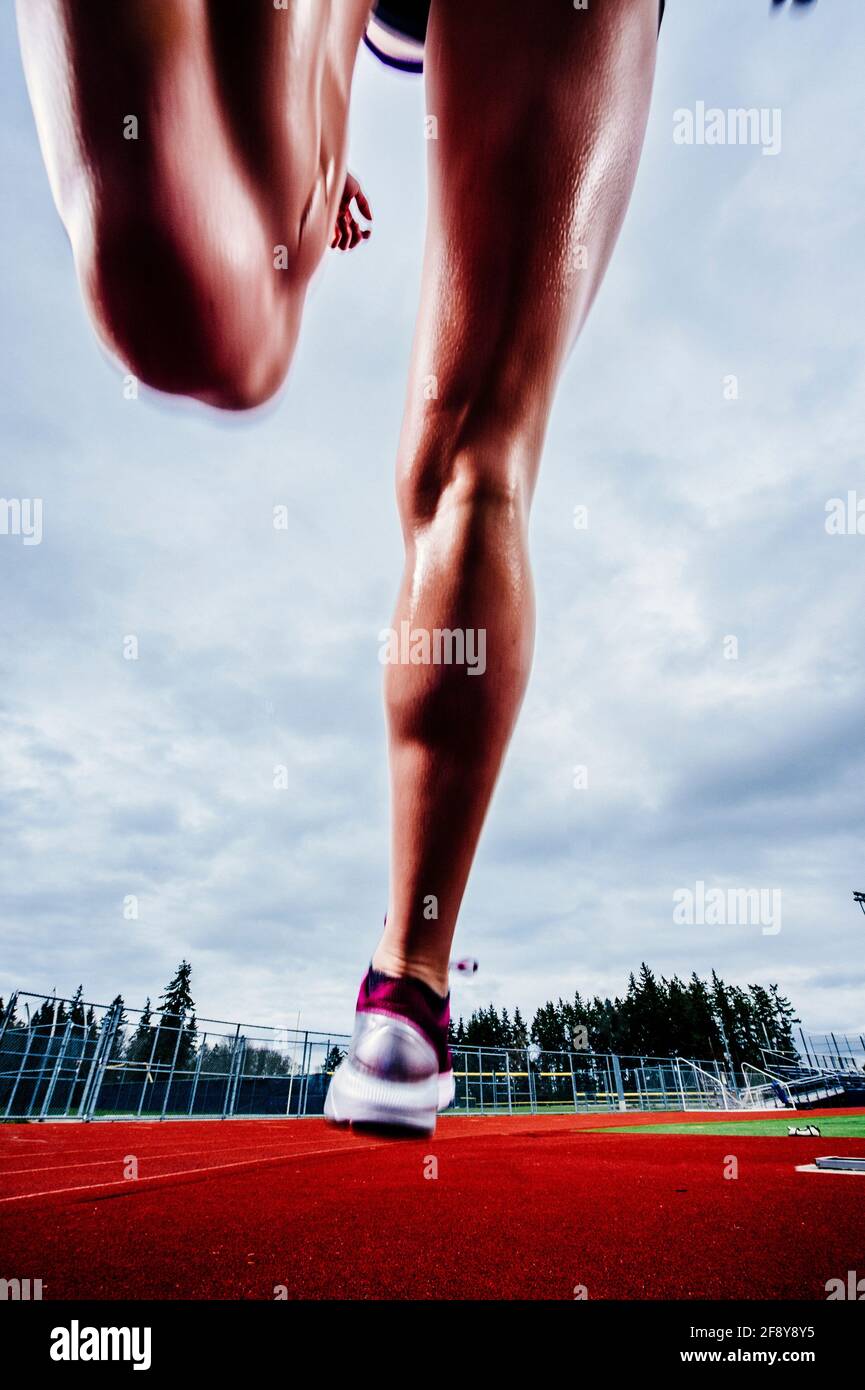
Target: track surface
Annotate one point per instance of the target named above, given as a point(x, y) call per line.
point(523, 1207)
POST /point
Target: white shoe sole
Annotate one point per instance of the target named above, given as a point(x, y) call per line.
point(390, 1078)
point(359, 1098)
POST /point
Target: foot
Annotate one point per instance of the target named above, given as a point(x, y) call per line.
point(398, 1071)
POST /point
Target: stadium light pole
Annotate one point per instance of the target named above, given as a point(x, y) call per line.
point(860, 899)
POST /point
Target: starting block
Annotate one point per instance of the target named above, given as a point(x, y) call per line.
point(844, 1164)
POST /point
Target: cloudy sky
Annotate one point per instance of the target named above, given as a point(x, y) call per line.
point(706, 520)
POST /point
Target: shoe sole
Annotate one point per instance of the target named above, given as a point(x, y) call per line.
point(373, 1104)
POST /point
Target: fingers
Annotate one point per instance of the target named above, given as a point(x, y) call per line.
point(348, 233)
point(361, 200)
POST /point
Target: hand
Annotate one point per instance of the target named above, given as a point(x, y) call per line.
point(347, 232)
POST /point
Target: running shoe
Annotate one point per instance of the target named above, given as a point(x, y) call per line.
point(398, 1072)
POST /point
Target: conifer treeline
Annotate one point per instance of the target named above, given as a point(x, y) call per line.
point(656, 1018)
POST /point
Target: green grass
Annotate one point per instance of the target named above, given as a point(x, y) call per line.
point(835, 1127)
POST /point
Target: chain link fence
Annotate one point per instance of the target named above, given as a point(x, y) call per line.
point(67, 1059)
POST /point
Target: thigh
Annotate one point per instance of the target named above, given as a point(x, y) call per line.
point(209, 84)
point(540, 112)
point(185, 140)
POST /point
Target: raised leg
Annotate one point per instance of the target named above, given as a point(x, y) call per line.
point(540, 113)
point(196, 152)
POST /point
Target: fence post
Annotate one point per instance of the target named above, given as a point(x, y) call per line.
point(679, 1080)
point(573, 1080)
point(101, 1055)
point(304, 1082)
point(227, 1101)
point(508, 1079)
point(617, 1074)
point(21, 1065)
point(85, 1038)
point(61, 1057)
point(662, 1079)
point(238, 1072)
point(45, 1061)
point(149, 1065)
point(170, 1082)
point(291, 1077)
point(837, 1057)
point(202, 1047)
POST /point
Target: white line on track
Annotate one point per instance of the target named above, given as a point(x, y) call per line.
point(12, 1155)
point(119, 1159)
point(88, 1154)
point(133, 1184)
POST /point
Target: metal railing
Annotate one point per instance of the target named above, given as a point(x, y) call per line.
point(64, 1059)
point(834, 1051)
point(67, 1059)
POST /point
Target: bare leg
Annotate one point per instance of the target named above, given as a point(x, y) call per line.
point(541, 112)
point(185, 141)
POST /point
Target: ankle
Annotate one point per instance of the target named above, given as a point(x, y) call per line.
point(399, 965)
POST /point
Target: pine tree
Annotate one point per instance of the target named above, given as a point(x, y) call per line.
point(763, 1015)
point(784, 1020)
point(76, 1009)
point(7, 1015)
point(705, 1035)
point(141, 1042)
point(519, 1032)
point(728, 1022)
point(51, 1016)
point(178, 1018)
point(118, 1042)
point(648, 1015)
point(332, 1060)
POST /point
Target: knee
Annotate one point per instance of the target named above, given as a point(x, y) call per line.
point(190, 323)
point(483, 477)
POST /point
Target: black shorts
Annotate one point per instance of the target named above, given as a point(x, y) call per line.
point(397, 30)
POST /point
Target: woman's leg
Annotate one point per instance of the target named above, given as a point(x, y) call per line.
point(540, 112)
point(186, 141)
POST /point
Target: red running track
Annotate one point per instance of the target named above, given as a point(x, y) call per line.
point(522, 1207)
